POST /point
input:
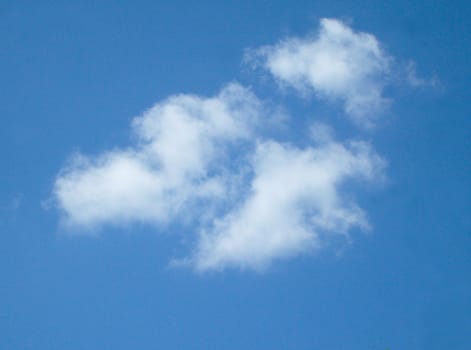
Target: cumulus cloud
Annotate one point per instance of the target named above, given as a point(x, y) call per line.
point(337, 64)
point(296, 202)
point(251, 200)
point(261, 200)
point(175, 165)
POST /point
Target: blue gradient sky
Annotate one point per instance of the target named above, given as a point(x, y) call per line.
point(74, 74)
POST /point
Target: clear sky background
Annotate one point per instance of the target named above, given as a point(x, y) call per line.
point(74, 75)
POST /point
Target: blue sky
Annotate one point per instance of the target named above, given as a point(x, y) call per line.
point(228, 175)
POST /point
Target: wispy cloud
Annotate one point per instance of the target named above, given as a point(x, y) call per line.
point(415, 80)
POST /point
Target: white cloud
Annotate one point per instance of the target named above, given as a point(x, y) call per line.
point(297, 201)
point(175, 164)
point(337, 64)
point(252, 200)
point(415, 80)
point(206, 161)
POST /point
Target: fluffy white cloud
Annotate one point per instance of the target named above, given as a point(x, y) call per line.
point(194, 159)
point(296, 202)
point(175, 164)
point(337, 64)
point(206, 161)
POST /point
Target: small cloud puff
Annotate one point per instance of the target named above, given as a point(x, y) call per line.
point(336, 64)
